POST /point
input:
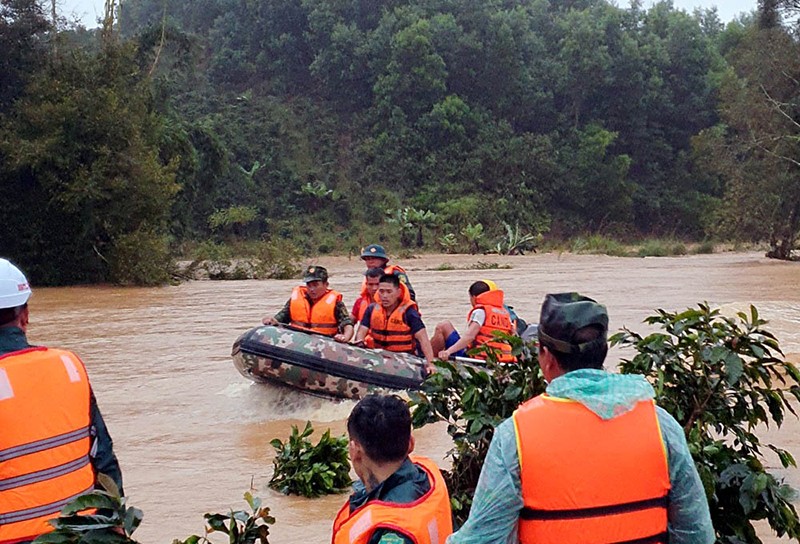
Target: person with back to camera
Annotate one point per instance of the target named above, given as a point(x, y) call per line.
point(593, 460)
point(399, 499)
point(316, 307)
point(54, 442)
point(374, 256)
point(488, 314)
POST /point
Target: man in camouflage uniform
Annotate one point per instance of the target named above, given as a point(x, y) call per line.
point(316, 292)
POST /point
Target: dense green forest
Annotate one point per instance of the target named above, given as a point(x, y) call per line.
point(317, 125)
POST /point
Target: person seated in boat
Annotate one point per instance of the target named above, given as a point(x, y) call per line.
point(316, 307)
point(374, 256)
point(368, 294)
point(488, 314)
point(394, 324)
point(400, 499)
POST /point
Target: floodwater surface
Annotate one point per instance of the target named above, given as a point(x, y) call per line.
point(192, 435)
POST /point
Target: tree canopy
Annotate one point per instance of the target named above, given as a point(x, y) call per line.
point(323, 118)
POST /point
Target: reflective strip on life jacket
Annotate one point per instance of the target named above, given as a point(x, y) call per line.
point(45, 444)
point(392, 333)
point(428, 520)
point(44, 448)
point(589, 480)
point(497, 319)
point(39, 511)
point(320, 318)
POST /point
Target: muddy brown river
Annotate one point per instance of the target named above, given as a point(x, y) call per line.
point(192, 435)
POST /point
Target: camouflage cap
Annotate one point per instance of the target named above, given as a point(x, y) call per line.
point(565, 313)
point(374, 250)
point(315, 273)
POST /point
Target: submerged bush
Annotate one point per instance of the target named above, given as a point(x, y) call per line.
point(302, 468)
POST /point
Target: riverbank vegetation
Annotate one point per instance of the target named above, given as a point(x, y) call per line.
point(446, 126)
point(722, 378)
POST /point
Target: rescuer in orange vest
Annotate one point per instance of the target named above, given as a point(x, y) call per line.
point(400, 499)
point(316, 307)
point(488, 314)
point(395, 324)
point(593, 460)
point(374, 256)
point(53, 440)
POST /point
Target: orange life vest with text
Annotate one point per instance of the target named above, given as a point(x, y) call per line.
point(497, 319)
point(321, 317)
point(586, 480)
point(427, 520)
point(391, 332)
point(45, 439)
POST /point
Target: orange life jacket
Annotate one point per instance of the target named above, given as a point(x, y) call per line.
point(391, 332)
point(588, 480)
point(321, 317)
point(497, 319)
point(44, 443)
point(425, 521)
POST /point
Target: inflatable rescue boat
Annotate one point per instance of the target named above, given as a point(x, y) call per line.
point(320, 365)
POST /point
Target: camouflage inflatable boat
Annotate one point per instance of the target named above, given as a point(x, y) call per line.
point(320, 365)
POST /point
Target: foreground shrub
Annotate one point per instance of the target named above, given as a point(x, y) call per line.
point(473, 401)
point(114, 522)
point(721, 378)
point(302, 468)
point(240, 526)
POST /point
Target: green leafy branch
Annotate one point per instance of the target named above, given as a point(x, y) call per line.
point(302, 468)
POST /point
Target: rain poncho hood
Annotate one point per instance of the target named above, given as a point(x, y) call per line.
point(607, 395)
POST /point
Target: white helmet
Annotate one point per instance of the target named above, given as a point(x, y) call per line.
point(14, 288)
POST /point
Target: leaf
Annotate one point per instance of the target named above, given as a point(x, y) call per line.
point(734, 367)
point(133, 517)
point(95, 499)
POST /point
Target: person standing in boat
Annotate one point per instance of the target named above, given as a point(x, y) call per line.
point(394, 324)
point(488, 314)
point(400, 499)
point(374, 256)
point(54, 442)
point(316, 307)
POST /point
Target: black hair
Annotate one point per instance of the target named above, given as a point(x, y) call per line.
point(478, 288)
point(390, 278)
point(593, 357)
point(374, 272)
point(7, 315)
point(382, 426)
